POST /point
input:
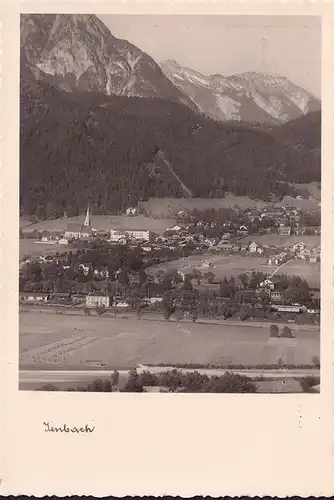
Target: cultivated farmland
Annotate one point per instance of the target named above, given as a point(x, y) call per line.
point(60, 341)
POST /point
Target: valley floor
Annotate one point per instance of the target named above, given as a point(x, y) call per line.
point(51, 341)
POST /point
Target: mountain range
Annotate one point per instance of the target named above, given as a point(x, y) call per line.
point(251, 96)
point(78, 52)
point(96, 125)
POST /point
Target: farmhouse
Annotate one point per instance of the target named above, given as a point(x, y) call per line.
point(61, 298)
point(273, 261)
point(255, 248)
point(131, 211)
point(84, 268)
point(242, 231)
point(298, 247)
point(284, 230)
point(117, 235)
point(276, 296)
point(300, 231)
point(288, 309)
point(34, 297)
point(267, 283)
point(182, 275)
point(143, 235)
point(97, 299)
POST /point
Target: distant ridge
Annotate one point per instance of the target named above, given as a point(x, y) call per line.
point(250, 96)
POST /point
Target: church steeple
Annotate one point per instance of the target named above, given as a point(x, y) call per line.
point(87, 225)
point(88, 218)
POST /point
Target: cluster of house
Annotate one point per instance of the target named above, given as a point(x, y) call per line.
point(182, 235)
point(93, 299)
point(302, 252)
point(284, 220)
point(154, 293)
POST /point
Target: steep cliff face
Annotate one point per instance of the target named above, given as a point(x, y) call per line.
point(79, 52)
point(252, 97)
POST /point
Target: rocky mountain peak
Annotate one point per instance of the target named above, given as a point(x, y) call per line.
point(77, 51)
point(250, 96)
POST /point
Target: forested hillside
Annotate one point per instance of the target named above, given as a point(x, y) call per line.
point(303, 132)
point(79, 145)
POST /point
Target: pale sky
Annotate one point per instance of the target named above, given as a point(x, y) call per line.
point(288, 46)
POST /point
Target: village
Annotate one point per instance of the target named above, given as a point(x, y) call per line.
point(246, 267)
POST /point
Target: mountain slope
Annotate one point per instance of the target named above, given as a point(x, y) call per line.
point(73, 51)
point(252, 97)
point(105, 148)
point(302, 137)
point(301, 133)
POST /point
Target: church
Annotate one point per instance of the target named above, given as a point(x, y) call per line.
point(78, 231)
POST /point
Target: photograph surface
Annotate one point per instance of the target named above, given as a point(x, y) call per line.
point(170, 203)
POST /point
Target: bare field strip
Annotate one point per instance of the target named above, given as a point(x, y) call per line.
point(80, 342)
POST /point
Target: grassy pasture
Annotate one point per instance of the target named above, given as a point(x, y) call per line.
point(230, 265)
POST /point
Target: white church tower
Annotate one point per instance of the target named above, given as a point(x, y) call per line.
point(87, 225)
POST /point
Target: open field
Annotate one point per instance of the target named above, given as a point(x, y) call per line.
point(33, 249)
point(305, 270)
point(282, 241)
point(104, 222)
point(168, 207)
point(233, 265)
point(74, 342)
point(229, 265)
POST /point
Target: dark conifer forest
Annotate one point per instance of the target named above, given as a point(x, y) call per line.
point(75, 146)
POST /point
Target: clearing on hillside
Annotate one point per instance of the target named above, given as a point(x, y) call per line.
point(168, 207)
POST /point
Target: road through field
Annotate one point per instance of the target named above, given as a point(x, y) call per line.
point(280, 267)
